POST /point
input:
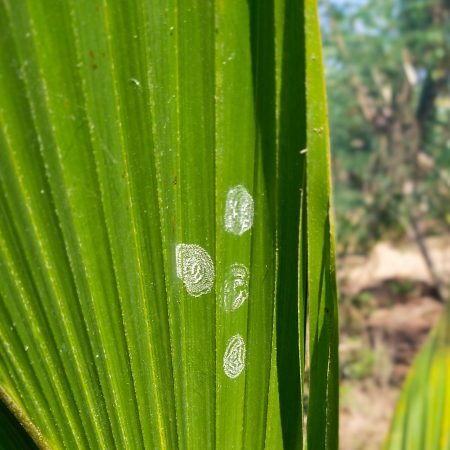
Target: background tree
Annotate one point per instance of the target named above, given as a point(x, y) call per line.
point(388, 84)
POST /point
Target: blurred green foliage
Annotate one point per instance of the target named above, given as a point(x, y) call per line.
point(388, 73)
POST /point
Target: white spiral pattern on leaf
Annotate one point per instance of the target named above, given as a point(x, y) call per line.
point(239, 210)
point(195, 268)
point(235, 288)
point(234, 357)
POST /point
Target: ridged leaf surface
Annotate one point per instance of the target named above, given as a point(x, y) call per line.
point(165, 233)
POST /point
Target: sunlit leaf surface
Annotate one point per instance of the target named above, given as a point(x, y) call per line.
point(165, 232)
point(422, 417)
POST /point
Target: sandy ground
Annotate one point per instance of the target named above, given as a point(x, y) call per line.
point(388, 261)
point(388, 307)
point(366, 411)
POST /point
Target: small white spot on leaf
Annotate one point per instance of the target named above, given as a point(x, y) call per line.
point(239, 210)
point(195, 268)
point(235, 288)
point(136, 83)
point(234, 357)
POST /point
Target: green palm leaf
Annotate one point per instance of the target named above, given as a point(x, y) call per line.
point(164, 225)
point(422, 417)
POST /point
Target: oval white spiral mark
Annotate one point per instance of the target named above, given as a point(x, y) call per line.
point(195, 268)
point(234, 357)
point(239, 210)
point(235, 288)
